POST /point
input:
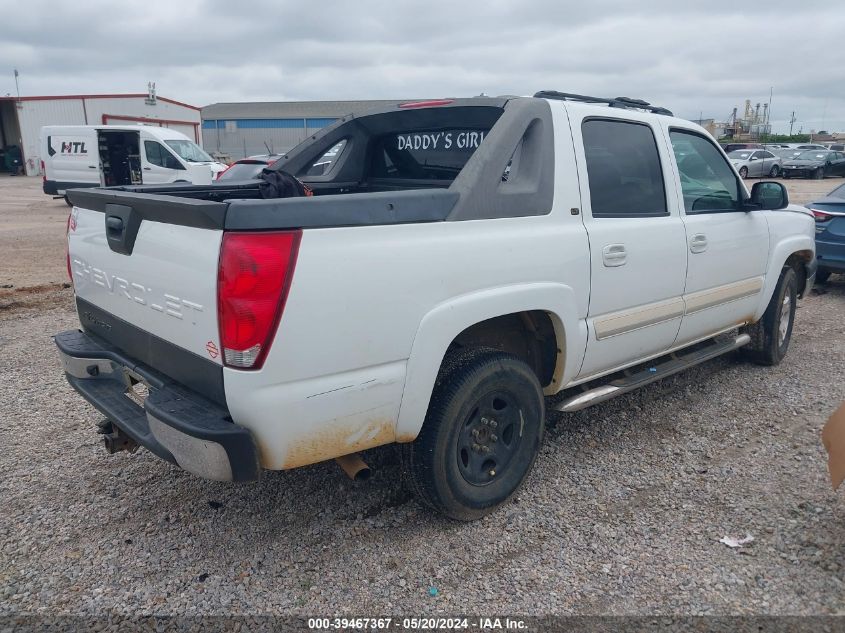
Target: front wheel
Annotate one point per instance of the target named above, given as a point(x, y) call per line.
point(774, 171)
point(819, 174)
point(743, 172)
point(481, 434)
point(770, 336)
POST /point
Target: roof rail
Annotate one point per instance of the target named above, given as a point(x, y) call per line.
point(616, 102)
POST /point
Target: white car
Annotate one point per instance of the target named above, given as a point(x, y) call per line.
point(758, 163)
point(420, 297)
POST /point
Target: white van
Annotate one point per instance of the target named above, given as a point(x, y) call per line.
point(75, 156)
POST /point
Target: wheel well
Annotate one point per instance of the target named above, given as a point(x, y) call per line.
point(530, 336)
point(798, 262)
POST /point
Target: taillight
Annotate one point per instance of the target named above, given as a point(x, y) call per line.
point(253, 280)
point(43, 172)
point(821, 216)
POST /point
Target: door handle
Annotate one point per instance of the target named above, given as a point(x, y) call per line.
point(147, 168)
point(698, 243)
point(614, 255)
point(92, 167)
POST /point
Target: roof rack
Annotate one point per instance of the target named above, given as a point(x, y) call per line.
point(616, 102)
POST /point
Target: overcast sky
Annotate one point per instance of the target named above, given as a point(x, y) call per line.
point(707, 58)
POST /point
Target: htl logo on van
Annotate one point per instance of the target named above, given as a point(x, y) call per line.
point(66, 148)
point(74, 147)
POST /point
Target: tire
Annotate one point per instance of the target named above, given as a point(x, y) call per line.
point(68, 202)
point(785, 176)
point(774, 171)
point(770, 335)
point(819, 174)
point(743, 172)
point(481, 434)
point(822, 276)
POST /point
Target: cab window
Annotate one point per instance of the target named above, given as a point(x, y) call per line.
point(708, 183)
point(157, 154)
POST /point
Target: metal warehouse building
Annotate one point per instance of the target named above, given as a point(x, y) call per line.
point(21, 119)
point(245, 129)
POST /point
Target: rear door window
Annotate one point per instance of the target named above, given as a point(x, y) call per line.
point(425, 155)
point(623, 169)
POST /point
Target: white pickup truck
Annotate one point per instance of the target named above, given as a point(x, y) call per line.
point(458, 261)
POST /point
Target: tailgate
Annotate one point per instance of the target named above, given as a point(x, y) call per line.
point(150, 261)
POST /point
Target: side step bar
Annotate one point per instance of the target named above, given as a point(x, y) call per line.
point(675, 364)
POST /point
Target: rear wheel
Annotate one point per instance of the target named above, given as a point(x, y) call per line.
point(481, 434)
point(770, 336)
point(743, 171)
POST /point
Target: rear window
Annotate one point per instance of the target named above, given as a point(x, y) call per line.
point(324, 164)
point(425, 154)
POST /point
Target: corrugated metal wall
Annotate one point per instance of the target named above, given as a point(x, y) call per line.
point(33, 115)
point(246, 137)
point(36, 113)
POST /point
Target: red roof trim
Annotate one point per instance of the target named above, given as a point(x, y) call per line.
point(142, 119)
point(123, 96)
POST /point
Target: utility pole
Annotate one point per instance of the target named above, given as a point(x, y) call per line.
point(17, 87)
point(791, 122)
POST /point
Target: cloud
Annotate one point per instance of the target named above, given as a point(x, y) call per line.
point(701, 58)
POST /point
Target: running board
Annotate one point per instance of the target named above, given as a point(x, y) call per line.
point(676, 363)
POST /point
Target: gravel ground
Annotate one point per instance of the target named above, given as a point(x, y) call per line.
point(622, 514)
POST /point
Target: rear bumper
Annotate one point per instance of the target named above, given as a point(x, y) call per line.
point(59, 188)
point(174, 422)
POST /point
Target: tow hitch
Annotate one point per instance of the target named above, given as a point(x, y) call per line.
point(114, 439)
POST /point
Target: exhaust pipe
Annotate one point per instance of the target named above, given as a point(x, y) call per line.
point(355, 467)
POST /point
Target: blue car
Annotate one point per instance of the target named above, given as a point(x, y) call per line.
point(830, 233)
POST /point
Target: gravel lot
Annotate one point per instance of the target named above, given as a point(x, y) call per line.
point(622, 514)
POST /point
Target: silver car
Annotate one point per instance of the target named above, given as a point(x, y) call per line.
point(756, 162)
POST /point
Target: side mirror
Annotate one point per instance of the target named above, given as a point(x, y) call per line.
point(753, 158)
point(769, 195)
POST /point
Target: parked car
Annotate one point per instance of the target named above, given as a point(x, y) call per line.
point(785, 153)
point(248, 168)
point(837, 147)
point(830, 233)
point(815, 163)
point(419, 298)
point(730, 147)
point(760, 163)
